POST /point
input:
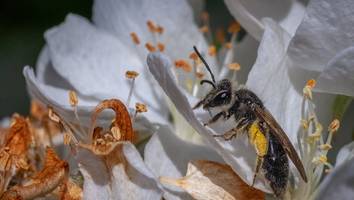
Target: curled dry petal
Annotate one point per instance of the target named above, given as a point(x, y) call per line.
point(13, 153)
point(55, 171)
point(122, 119)
point(70, 191)
point(207, 180)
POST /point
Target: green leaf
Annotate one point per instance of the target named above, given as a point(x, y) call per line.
point(340, 105)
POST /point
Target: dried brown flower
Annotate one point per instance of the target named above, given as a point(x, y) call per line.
point(207, 180)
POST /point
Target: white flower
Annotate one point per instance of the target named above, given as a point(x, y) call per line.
point(92, 59)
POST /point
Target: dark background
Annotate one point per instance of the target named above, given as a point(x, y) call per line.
point(22, 24)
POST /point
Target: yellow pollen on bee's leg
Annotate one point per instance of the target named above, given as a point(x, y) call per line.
point(135, 38)
point(131, 75)
point(258, 139)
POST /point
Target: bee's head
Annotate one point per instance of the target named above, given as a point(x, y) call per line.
point(220, 95)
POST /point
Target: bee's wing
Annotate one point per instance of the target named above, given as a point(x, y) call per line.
point(282, 137)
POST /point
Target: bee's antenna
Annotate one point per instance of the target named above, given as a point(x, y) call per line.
point(206, 65)
point(207, 81)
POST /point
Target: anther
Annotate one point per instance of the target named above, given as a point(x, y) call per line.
point(131, 75)
point(212, 50)
point(234, 66)
point(325, 147)
point(199, 75)
point(228, 45)
point(322, 159)
point(151, 25)
point(160, 30)
point(135, 38)
point(73, 100)
point(150, 47)
point(311, 83)
point(184, 65)
point(334, 126)
point(234, 27)
point(204, 29)
point(160, 46)
point(140, 107)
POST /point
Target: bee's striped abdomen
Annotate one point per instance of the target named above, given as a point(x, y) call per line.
point(276, 166)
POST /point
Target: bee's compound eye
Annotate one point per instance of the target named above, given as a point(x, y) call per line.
point(223, 95)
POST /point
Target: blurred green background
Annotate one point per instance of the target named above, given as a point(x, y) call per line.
point(22, 24)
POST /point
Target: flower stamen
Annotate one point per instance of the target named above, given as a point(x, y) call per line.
point(135, 38)
point(131, 75)
point(150, 47)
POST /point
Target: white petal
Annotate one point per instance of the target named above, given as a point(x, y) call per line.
point(269, 79)
point(237, 153)
point(127, 179)
point(339, 183)
point(168, 155)
point(96, 176)
point(56, 97)
point(338, 76)
point(249, 13)
point(326, 30)
point(345, 154)
point(94, 63)
point(175, 16)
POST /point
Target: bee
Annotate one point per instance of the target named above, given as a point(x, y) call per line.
point(268, 138)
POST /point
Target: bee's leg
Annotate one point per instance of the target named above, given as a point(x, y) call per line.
point(259, 140)
point(216, 117)
point(198, 104)
point(233, 132)
point(259, 163)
